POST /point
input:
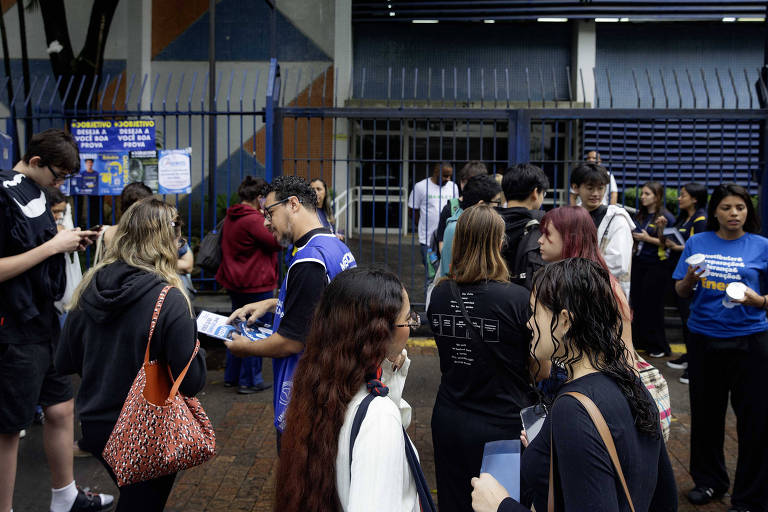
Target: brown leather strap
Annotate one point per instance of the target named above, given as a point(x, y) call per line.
point(176, 384)
point(605, 434)
point(155, 316)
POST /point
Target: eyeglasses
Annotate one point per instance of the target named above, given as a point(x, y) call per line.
point(268, 214)
point(414, 321)
point(495, 204)
point(57, 176)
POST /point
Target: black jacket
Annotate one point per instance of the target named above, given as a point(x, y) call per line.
point(105, 337)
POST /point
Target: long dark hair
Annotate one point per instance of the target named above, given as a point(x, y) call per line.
point(658, 191)
point(326, 206)
point(351, 329)
point(698, 193)
point(751, 225)
point(583, 288)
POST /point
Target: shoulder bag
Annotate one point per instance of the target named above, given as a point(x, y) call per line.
point(605, 434)
point(159, 431)
point(209, 254)
point(657, 386)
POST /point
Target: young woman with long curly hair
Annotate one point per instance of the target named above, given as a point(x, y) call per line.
point(575, 323)
point(358, 332)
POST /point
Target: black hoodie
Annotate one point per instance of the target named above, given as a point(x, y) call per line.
point(105, 336)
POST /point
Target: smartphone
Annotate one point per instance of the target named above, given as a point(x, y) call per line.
point(533, 419)
point(97, 227)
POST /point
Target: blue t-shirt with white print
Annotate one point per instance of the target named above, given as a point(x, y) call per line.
point(744, 259)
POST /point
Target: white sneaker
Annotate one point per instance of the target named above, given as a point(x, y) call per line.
point(678, 364)
point(657, 354)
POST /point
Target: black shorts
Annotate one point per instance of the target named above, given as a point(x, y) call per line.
point(28, 379)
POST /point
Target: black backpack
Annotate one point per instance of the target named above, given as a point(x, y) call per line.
point(209, 254)
point(522, 252)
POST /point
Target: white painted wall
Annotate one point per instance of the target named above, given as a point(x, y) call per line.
point(583, 59)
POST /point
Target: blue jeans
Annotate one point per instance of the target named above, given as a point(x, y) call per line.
point(246, 371)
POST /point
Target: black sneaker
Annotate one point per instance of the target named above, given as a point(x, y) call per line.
point(261, 387)
point(702, 495)
point(684, 377)
point(657, 354)
point(681, 363)
point(86, 501)
point(738, 509)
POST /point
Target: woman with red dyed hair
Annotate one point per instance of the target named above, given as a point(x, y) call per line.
point(569, 232)
point(356, 343)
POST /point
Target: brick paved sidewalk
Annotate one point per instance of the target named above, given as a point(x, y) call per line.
point(242, 476)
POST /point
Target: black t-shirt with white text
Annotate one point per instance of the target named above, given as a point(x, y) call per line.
point(500, 311)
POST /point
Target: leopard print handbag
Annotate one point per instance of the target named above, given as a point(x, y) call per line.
point(159, 431)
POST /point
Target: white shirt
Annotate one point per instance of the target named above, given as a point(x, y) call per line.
point(430, 199)
point(380, 478)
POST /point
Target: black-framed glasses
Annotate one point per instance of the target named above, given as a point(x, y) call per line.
point(57, 176)
point(414, 321)
point(268, 214)
point(495, 204)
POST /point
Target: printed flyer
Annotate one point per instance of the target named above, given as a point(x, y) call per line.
point(174, 171)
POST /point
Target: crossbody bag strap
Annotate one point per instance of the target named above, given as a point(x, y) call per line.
point(605, 433)
point(422, 488)
point(155, 316)
point(362, 409)
point(474, 333)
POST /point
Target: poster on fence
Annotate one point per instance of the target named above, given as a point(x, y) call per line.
point(174, 171)
point(110, 135)
point(142, 168)
point(104, 146)
point(101, 174)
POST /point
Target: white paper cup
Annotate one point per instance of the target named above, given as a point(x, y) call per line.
point(734, 291)
point(698, 261)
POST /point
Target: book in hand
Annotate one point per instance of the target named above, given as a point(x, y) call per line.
point(502, 460)
point(674, 235)
point(216, 326)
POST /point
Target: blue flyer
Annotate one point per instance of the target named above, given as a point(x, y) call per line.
point(101, 174)
point(174, 171)
point(502, 460)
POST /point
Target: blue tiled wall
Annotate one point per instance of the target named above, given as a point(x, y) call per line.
point(541, 47)
point(622, 47)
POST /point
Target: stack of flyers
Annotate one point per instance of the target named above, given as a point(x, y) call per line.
point(254, 332)
point(216, 326)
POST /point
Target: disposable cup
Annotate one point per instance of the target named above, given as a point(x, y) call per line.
point(734, 291)
point(699, 261)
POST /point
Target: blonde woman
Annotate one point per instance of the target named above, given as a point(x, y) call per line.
point(484, 360)
point(105, 334)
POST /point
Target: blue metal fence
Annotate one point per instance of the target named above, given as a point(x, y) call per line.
point(371, 150)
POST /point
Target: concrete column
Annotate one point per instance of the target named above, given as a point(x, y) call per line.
point(342, 64)
point(584, 60)
point(138, 60)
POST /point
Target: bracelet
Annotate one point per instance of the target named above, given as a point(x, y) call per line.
point(764, 301)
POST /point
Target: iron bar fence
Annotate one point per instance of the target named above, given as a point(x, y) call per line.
point(372, 140)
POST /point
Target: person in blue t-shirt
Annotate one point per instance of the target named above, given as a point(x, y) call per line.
point(649, 268)
point(692, 202)
point(728, 350)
